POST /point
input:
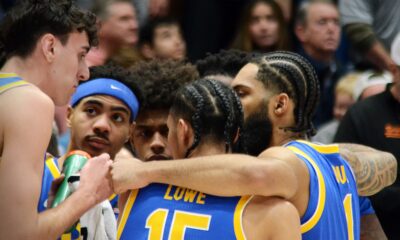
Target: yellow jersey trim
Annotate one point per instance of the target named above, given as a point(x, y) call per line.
point(52, 167)
point(112, 197)
point(66, 236)
point(13, 84)
point(126, 212)
point(8, 75)
point(238, 216)
point(310, 223)
point(325, 149)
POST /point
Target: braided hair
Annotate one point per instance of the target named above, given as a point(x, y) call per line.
point(213, 110)
point(292, 74)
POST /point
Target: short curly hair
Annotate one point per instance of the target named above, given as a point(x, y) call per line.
point(225, 62)
point(119, 74)
point(160, 79)
point(30, 19)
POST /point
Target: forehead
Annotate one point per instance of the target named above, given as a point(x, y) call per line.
point(104, 101)
point(261, 8)
point(318, 10)
point(247, 77)
point(78, 40)
point(121, 8)
point(168, 27)
point(152, 118)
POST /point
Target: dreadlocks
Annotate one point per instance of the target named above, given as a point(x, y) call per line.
point(213, 110)
point(292, 74)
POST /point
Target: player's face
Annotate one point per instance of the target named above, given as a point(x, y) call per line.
point(254, 97)
point(69, 67)
point(99, 124)
point(149, 137)
point(251, 92)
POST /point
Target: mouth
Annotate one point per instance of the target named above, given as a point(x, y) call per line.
point(98, 143)
point(158, 158)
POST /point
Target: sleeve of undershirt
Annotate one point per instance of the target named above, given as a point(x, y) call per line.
point(356, 18)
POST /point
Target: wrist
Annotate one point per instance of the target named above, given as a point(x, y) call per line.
point(156, 171)
point(87, 199)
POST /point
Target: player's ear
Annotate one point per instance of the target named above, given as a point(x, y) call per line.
point(185, 133)
point(48, 44)
point(281, 104)
point(70, 113)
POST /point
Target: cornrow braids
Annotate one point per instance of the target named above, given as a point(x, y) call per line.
point(290, 73)
point(196, 121)
point(227, 113)
point(213, 110)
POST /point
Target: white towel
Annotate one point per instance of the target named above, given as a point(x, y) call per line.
point(99, 222)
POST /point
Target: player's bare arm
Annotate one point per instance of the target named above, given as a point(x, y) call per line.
point(27, 127)
point(373, 169)
point(239, 174)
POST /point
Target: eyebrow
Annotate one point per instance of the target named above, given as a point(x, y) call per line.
point(86, 48)
point(118, 108)
point(240, 87)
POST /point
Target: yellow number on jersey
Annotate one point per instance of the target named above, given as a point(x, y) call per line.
point(180, 222)
point(348, 209)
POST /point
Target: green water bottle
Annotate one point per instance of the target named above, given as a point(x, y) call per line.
point(73, 164)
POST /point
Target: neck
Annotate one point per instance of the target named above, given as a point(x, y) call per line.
point(281, 136)
point(27, 69)
point(319, 55)
point(208, 149)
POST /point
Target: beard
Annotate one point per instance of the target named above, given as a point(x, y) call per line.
point(257, 132)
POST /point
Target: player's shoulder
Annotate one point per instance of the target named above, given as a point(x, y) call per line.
point(279, 152)
point(25, 99)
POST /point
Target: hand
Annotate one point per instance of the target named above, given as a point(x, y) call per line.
point(158, 8)
point(53, 189)
point(127, 173)
point(95, 179)
point(395, 71)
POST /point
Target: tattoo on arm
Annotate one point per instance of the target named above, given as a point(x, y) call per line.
point(373, 169)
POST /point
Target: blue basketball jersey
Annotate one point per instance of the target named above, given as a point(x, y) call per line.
point(333, 211)
point(52, 171)
point(9, 81)
point(161, 212)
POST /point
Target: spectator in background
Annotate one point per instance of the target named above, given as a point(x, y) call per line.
point(375, 122)
point(371, 83)
point(372, 26)
point(262, 28)
point(343, 100)
point(161, 38)
point(118, 29)
point(317, 28)
point(222, 66)
point(352, 87)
